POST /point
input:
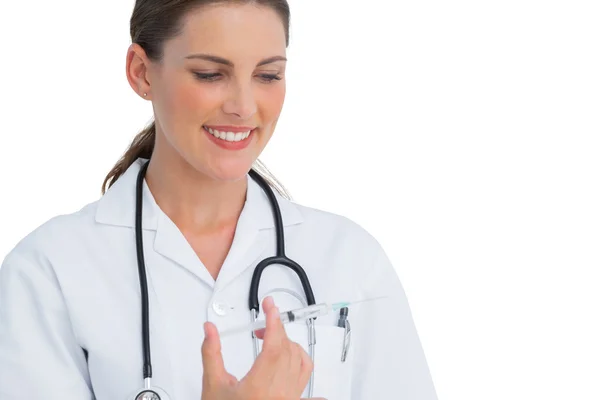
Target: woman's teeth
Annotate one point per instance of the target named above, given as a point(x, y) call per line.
point(228, 136)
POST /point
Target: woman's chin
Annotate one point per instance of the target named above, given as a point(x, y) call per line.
point(219, 167)
point(230, 172)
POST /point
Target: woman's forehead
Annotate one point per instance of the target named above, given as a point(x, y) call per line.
point(225, 24)
point(243, 32)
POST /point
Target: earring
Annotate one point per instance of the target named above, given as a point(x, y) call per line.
point(145, 94)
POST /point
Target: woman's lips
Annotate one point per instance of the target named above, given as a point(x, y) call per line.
point(227, 145)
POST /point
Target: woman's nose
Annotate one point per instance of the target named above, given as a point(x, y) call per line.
point(241, 102)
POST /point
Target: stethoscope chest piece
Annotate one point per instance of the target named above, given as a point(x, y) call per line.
point(148, 395)
point(151, 394)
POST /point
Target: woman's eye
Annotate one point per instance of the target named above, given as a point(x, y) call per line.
point(206, 77)
point(268, 78)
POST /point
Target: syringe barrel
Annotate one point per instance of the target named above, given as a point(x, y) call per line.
point(305, 313)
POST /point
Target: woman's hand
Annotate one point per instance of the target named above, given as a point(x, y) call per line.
point(281, 370)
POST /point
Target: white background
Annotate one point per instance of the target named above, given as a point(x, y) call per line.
point(463, 135)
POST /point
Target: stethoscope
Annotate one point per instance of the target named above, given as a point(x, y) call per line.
point(151, 393)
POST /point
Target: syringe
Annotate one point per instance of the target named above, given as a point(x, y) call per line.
point(299, 314)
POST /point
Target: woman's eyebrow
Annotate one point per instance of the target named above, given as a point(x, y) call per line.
point(224, 61)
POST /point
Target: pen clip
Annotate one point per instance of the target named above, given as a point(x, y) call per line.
point(346, 344)
point(344, 323)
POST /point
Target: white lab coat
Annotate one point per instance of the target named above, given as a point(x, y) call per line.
point(72, 284)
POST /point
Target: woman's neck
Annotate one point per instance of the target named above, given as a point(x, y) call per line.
point(196, 203)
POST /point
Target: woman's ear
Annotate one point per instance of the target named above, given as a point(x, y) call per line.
point(137, 70)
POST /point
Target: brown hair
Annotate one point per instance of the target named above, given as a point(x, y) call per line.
point(154, 22)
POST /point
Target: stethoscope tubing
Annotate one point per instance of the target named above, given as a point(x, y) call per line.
point(142, 275)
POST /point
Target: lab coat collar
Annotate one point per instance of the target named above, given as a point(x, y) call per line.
point(117, 206)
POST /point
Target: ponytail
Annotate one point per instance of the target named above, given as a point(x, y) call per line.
point(143, 146)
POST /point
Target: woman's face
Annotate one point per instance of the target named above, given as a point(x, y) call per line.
point(240, 87)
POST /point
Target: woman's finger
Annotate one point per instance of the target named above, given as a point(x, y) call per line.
point(212, 359)
point(260, 333)
point(294, 370)
point(306, 368)
point(274, 332)
point(267, 304)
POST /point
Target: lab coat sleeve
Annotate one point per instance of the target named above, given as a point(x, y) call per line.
point(389, 361)
point(39, 354)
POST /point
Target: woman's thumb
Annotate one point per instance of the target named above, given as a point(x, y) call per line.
point(212, 359)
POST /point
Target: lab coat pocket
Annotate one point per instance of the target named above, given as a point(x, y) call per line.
point(332, 376)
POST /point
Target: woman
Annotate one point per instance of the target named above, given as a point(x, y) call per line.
point(70, 322)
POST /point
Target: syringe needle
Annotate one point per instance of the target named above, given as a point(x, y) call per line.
point(337, 306)
point(370, 299)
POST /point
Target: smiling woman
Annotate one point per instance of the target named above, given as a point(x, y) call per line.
point(125, 299)
point(183, 104)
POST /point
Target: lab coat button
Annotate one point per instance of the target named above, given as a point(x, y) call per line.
point(220, 308)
